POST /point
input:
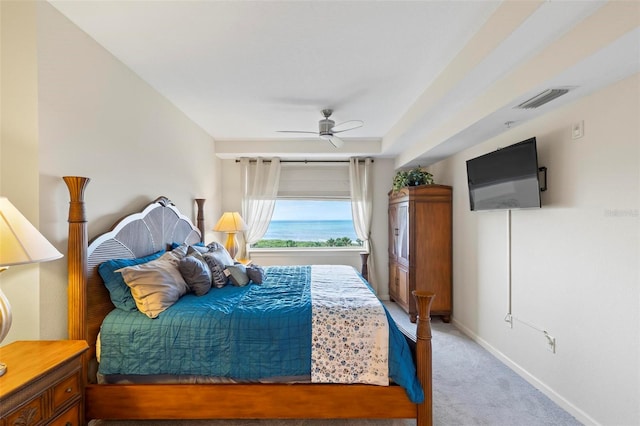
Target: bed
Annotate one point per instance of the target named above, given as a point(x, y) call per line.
point(154, 229)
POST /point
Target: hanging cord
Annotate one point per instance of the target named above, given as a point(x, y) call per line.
point(509, 317)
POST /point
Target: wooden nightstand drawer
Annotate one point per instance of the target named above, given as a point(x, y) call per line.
point(43, 384)
point(29, 414)
point(66, 390)
point(71, 417)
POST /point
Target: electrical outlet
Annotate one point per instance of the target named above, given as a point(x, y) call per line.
point(551, 342)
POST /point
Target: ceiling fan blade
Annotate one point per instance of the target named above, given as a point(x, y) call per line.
point(347, 125)
point(336, 141)
point(296, 131)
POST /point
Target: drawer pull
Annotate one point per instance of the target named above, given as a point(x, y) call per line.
point(68, 424)
point(68, 390)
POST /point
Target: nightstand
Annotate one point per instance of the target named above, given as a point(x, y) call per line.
point(44, 383)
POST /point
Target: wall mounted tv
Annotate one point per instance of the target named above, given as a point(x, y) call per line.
point(505, 179)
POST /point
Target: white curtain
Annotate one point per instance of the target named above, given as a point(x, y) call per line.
point(259, 191)
point(362, 206)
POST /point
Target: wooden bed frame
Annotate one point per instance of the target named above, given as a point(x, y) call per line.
point(157, 226)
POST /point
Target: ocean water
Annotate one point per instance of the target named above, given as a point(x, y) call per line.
point(309, 230)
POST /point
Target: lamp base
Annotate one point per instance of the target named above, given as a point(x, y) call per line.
point(231, 244)
point(3, 368)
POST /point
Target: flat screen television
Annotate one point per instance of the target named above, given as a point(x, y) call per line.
point(505, 179)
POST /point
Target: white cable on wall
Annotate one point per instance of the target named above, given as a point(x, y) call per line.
point(509, 317)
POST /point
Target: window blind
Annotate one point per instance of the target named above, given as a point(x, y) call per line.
point(314, 181)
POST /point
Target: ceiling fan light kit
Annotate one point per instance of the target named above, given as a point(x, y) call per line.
point(327, 128)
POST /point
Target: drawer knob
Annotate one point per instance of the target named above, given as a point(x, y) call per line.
point(68, 390)
point(68, 424)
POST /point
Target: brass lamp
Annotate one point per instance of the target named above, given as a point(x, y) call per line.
point(231, 223)
point(20, 243)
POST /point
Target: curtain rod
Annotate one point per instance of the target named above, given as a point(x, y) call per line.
point(308, 161)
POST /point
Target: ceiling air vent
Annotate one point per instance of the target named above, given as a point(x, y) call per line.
point(542, 98)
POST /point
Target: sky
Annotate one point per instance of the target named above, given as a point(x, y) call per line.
point(312, 210)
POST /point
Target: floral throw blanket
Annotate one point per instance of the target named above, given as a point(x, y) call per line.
point(350, 332)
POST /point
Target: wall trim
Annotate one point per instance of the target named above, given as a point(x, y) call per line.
point(531, 379)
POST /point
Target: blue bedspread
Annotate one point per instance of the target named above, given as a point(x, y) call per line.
point(255, 332)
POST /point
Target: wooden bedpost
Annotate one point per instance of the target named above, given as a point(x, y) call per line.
point(77, 259)
point(200, 217)
point(423, 355)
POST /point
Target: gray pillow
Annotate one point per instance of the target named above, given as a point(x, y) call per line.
point(155, 285)
point(217, 272)
point(196, 274)
point(180, 251)
point(237, 274)
point(214, 246)
point(209, 247)
point(221, 256)
point(256, 274)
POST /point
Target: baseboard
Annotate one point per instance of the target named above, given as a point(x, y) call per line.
point(530, 378)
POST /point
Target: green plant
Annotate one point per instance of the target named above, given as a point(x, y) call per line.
point(412, 177)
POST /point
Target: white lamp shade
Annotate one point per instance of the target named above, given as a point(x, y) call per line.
point(230, 222)
point(20, 241)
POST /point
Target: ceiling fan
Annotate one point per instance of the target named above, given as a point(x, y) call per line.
point(327, 128)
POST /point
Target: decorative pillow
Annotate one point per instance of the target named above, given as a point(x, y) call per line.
point(200, 248)
point(196, 252)
point(196, 272)
point(174, 245)
point(214, 246)
point(180, 251)
point(256, 274)
point(217, 272)
point(119, 292)
point(221, 256)
point(155, 285)
point(237, 274)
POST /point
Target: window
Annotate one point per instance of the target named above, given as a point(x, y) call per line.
point(313, 208)
point(310, 223)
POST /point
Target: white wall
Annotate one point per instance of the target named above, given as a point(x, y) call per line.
point(382, 177)
point(574, 262)
point(93, 117)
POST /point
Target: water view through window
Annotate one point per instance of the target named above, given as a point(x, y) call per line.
point(310, 223)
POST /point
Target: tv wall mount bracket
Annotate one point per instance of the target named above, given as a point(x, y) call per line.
point(543, 170)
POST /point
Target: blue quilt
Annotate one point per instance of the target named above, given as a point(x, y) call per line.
point(254, 332)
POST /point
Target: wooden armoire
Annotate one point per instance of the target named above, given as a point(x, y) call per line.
point(420, 247)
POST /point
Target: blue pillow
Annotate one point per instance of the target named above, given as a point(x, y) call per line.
point(119, 291)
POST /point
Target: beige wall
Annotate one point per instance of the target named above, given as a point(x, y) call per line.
point(88, 115)
point(574, 262)
point(19, 157)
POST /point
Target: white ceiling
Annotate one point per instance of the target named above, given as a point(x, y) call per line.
point(428, 78)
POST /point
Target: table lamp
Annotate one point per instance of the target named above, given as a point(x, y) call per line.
point(20, 243)
point(231, 223)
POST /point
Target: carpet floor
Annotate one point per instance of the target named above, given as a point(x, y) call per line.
point(470, 387)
